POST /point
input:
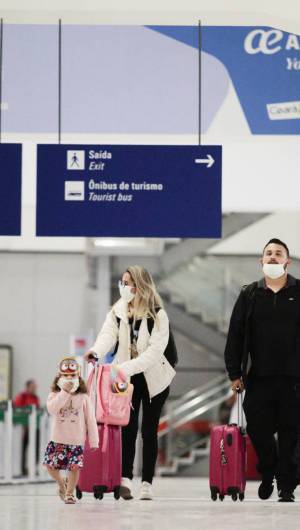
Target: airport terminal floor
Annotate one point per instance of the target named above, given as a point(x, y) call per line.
point(180, 503)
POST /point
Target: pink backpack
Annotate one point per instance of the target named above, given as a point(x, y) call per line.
point(111, 408)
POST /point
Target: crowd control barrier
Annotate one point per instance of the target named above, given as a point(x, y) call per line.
point(14, 423)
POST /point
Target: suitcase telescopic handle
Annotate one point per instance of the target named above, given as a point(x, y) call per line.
point(240, 410)
point(92, 384)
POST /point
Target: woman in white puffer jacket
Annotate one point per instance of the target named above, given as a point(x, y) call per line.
point(139, 355)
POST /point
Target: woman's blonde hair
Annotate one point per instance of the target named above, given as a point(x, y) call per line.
point(147, 299)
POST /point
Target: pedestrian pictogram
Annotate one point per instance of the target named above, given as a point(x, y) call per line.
point(75, 160)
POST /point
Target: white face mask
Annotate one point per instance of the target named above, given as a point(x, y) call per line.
point(62, 380)
point(125, 292)
point(273, 270)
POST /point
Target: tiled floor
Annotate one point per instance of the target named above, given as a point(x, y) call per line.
point(180, 504)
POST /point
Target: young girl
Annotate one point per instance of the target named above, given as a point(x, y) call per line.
point(73, 418)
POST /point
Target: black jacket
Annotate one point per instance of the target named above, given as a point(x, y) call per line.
point(238, 339)
point(237, 350)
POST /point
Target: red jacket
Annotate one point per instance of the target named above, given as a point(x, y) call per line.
point(24, 399)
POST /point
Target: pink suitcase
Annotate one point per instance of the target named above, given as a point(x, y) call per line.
point(227, 464)
point(101, 472)
point(227, 460)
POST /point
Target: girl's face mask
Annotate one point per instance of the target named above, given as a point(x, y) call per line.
point(62, 380)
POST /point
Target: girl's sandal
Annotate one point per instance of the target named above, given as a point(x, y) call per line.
point(62, 492)
point(70, 499)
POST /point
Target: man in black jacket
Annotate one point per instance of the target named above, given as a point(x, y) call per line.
point(263, 354)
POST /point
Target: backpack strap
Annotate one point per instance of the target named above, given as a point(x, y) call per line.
point(150, 321)
point(117, 343)
point(250, 290)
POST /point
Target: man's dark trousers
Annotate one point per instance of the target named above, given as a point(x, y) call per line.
point(271, 406)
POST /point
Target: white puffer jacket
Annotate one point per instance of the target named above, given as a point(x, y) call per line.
point(151, 360)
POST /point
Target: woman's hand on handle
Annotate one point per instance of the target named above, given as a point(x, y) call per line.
point(90, 356)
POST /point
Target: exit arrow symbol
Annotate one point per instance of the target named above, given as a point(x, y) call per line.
point(209, 161)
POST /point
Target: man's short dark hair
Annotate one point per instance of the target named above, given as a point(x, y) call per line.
point(278, 242)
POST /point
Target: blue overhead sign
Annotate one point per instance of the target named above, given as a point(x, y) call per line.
point(10, 196)
point(264, 66)
point(251, 73)
point(130, 191)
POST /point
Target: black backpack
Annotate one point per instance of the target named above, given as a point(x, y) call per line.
point(170, 352)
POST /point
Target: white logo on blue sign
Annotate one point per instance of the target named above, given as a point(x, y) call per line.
point(270, 41)
point(75, 160)
point(74, 190)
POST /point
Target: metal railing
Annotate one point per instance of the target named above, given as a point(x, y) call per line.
point(197, 404)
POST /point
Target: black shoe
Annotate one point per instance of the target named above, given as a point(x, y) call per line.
point(286, 496)
point(265, 489)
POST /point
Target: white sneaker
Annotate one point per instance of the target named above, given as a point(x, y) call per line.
point(125, 489)
point(146, 493)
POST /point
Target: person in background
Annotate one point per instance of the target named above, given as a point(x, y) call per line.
point(73, 420)
point(24, 399)
point(140, 356)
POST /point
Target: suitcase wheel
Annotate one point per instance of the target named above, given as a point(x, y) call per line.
point(99, 492)
point(117, 493)
point(234, 492)
point(221, 497)
point(78, 493)
point(241, 496)
point(98, 496)
point(214, 493)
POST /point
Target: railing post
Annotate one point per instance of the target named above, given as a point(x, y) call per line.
point(32, 427)
point(8, 438)
point(138, 461)
point(44, 439)
point(169, 445)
